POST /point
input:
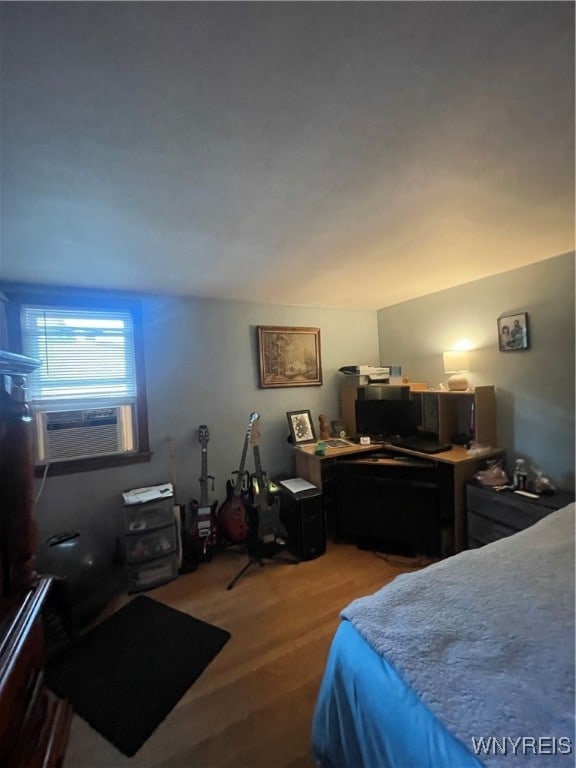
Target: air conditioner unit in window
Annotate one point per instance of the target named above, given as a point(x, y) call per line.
point(83, 433)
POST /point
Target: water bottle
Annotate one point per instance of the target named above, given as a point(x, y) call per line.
point(520, 475)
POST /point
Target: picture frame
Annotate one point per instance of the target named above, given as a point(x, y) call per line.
point(301, 427)
point(513, 332)
point(289, 356)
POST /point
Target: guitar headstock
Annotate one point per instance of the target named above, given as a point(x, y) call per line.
point(253, 417)
point(203, 435)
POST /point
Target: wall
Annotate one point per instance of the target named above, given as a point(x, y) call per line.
point(202, 368)
point(534, 387)
point(201, 363)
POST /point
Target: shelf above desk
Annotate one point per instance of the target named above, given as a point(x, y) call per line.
point(441, 412)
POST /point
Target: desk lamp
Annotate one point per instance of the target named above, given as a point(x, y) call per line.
point(456, 362)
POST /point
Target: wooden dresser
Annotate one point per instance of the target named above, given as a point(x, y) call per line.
point(34, 724)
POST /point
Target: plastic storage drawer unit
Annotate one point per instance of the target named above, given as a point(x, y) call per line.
point(150, 544)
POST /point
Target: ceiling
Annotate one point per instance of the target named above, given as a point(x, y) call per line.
point(343, 155)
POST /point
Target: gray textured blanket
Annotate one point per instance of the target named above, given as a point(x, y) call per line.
point(487, 640)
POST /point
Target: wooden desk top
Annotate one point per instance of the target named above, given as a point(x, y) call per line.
point(458, 455)
point(334, 453)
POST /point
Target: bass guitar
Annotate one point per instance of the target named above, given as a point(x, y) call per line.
point(232, 513)
point(266, 532)
point(204, 531)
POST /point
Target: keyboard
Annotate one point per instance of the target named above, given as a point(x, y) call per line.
point(420, 444)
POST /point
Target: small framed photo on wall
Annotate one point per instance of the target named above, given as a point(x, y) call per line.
point(513, 332)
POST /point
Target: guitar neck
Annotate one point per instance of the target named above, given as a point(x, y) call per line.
point(238, 485)
point(260, 477)
point(203, 436)
point(204, 478)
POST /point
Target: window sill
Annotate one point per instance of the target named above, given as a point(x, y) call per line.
point(87, 465)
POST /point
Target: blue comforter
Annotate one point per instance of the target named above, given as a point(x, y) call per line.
point(486, 639)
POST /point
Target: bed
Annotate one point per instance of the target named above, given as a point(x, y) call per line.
point(466, 663)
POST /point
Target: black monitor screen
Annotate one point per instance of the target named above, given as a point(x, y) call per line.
point(382, 418)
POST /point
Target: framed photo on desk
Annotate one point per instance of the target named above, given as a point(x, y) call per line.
point(301, 427)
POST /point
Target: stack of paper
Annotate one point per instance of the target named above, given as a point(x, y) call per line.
point(366, 370)
point(150, 493)
point(297, 484)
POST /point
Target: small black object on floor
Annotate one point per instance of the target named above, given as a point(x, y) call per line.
point(126, 674)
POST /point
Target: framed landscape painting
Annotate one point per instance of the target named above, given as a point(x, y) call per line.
point(289, 357)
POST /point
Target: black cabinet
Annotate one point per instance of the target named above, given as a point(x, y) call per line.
point(492, 515)
point(391, 506)
point(303, 517)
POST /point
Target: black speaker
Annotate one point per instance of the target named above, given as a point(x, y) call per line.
point(303, 517)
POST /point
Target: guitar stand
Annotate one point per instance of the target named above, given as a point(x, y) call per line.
point(254, 560)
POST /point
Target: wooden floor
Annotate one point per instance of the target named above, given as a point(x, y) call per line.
point(252, 707)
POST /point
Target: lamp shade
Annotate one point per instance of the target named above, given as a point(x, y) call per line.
point(456, 360)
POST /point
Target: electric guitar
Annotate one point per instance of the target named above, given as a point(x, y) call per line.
point(204, 533)
point(265, 529)
point(232, 513)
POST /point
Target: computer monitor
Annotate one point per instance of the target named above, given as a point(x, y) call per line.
point(382, 418)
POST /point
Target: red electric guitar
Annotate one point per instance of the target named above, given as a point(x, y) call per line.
point(204, 531)
point(232, 513)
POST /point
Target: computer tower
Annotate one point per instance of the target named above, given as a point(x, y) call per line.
point(303, 517)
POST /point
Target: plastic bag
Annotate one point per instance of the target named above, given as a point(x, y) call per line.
point(494, 475)
point(542, 484)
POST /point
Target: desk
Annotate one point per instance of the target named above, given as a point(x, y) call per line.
point(454, 469)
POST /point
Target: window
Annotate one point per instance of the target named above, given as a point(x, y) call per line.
point(84, 354)
point(87, 397)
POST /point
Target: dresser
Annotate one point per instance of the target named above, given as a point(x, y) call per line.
point(34, 724)
point(492, 515)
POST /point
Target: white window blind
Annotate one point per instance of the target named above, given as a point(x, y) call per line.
point(85, 354)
